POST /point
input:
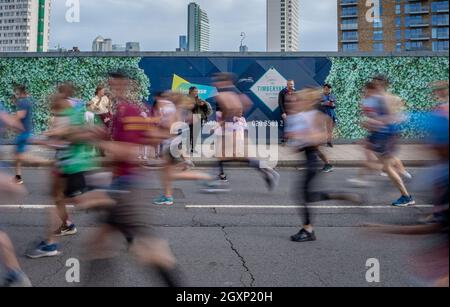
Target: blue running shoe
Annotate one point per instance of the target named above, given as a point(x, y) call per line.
point(404, 201)
point(44, 250)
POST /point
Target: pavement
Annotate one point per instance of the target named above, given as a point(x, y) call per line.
point(241, 239)
point(346, 155)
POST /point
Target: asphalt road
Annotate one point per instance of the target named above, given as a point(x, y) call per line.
point(241, 238)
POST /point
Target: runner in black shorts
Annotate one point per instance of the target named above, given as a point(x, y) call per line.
point(129, 215)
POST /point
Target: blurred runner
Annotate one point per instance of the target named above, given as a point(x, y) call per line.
point(75, 158)
point(231, 106)
point(68, 90)
point(176, 113)
point(24, 114)
point(128, 215)
point(431, 264)
point(14, 276)
point(305, 132)
point(383, 119)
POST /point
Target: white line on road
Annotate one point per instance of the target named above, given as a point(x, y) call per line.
point(42, 207)
point(30, 207)
point(297, 207)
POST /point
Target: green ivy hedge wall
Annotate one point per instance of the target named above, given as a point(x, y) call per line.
point(41, 75)
point(410, 77)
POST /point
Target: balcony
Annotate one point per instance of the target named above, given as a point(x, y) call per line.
point(419, 24)
point(350, 40)
point(349, 14)
point(348, 3)
point(349, 27)
point(416, 38)
point(442, 10)
point(418, 11)
point(416, 48)
point(442, 37)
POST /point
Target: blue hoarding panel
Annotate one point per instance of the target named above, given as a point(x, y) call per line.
point(258, 77)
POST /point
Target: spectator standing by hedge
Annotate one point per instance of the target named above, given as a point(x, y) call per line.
point(101, 105)
point(328, 107)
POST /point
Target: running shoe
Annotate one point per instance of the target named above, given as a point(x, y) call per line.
point(44, 250)
point(328, 168)
point(218, 186)
point(188, 164)
point(272, 179)
point(163, 201)
point(65, 230)
point(304, 236)
point(18, 180)
point(16, 280)
point(407, 175)
point(404, 201)
point(223, 178)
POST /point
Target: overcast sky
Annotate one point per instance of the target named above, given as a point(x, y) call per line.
point(156, 24)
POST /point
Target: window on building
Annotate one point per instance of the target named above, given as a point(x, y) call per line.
point(440, 46)
point(349, 11)
point(415, 7)
point(414, 20)
point(414, 46)
point(439, 6)
point(349, 24)
point(350, 35)
point(378, 35)
point(378, 47)
point(440, 20)
point(414, 33)
point(378, 23)
point(440, 33)
point(350, 47)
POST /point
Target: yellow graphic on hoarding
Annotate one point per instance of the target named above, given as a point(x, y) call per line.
point(181, 85)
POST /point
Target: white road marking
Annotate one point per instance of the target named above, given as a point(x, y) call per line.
point(43, 207)
point(30, 207)
point(297, 207)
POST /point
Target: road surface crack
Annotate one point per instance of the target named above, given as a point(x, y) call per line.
point(242, 259)
point(320, 279)
point(54, 272)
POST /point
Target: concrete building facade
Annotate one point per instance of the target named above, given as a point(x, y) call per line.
point(198, 29)
point(283, 25)
point(24, 25)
